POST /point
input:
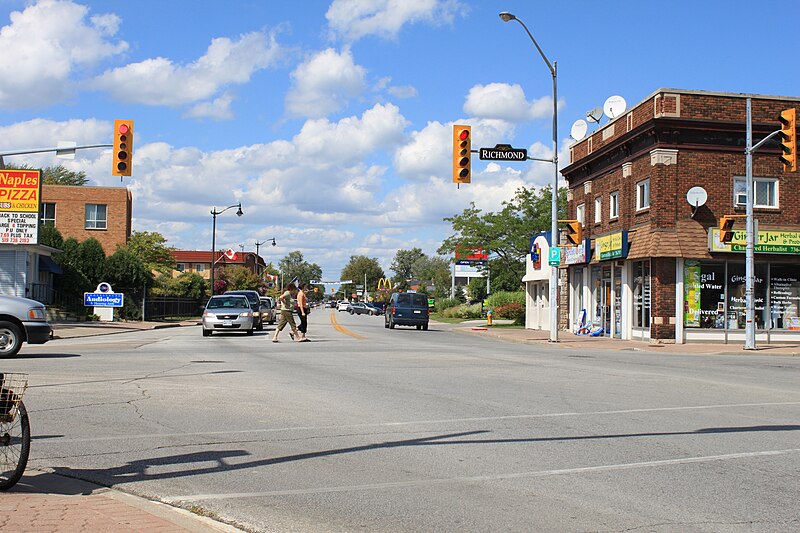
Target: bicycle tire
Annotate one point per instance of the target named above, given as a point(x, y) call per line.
point(15, 445)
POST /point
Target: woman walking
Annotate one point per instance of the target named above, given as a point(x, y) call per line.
point(302, 310)
point(286, 303)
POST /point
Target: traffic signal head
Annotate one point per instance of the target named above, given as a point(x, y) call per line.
point(788, 139)
point(726, 229)
point(462, 147)
point(574, 232)
point(123, 148)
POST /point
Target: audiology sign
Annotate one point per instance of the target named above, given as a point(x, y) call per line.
point(769, 242)
point(103, 296)
point(20, 191)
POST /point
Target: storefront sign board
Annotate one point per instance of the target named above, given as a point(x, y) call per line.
point(20, 193)
point(575, 255)
point(612, 246)
point(769, 242)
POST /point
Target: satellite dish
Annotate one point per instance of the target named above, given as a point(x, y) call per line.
point(578, 130)
point(594, 115)
point(696, 196)
point(614, 106)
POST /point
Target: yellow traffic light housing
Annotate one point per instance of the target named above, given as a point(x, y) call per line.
point(788, 139)
point(462, 153)
point(726, 229)
point(574, 232)
point(123, 148)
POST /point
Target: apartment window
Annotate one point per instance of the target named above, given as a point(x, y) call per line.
point(613, 205)
point(48, 213)
point(180, 267)
point(199, 267)
point(765, 192)
point(96, 216)
point(598, 206)
point(643, 195)
point(580, 213)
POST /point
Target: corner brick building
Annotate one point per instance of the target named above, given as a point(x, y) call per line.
point(652, 265)
point(83, 212)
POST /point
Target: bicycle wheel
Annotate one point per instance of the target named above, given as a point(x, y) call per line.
point(15, 445)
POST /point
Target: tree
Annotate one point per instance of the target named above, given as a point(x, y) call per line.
point(435, 269)
point(403, 264)
point(294, 266)
point(50, 236)
point(73, 282)
point(505, 235)
point(360, 266)
point(151, 249)
point(58, 175)
point(91, 260)
point(238, 278)
point(184, 285)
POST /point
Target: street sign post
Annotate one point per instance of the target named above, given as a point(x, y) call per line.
point(503, 152)
point(555, 256)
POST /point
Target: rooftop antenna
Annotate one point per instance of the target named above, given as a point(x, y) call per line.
point(614, 106)
point(594, 115)
point(578, 130)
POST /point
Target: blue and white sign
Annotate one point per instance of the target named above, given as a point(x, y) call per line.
point(109, 299)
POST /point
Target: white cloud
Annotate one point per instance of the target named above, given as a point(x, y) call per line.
point(354, 19)
point(159, 81)
point(323, 84)
point(506, 102)
point(45, 44)
point(217, 109)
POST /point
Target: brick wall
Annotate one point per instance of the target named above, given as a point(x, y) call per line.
point(70, 212)
point(662, 310)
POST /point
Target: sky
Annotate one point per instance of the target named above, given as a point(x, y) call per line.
point(331, 121)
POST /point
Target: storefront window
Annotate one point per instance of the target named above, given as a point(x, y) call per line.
point(704, 294)
point(737, 296)
point(784, 296)
point(641, 294)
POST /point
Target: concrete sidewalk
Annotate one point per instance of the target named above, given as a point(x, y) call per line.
point(69, 330)
point(570, 341)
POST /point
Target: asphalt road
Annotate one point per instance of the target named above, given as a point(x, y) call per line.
point(401, 430)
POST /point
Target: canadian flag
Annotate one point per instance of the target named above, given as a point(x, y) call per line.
point(272, 278)
point(230, 254)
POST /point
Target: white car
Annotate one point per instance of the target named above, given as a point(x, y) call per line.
point(344, 305)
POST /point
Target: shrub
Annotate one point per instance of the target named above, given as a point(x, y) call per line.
point(501, 298)
point(447, 303)
point(513, 311)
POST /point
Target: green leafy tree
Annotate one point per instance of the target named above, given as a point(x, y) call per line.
point(50, 236)
point(435, 269)
point(128, 274)
point(358, 267)
point(403, 264)
point(293, 265)
point(151, 249)
point(92, 260)
point(185, 285)
point(58, 175)
point(240, 278)
point(505, 235)
point(73, 282)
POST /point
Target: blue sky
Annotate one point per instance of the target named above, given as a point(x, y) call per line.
point(331, 120)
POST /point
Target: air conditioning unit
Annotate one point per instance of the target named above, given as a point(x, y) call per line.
point(741, 198)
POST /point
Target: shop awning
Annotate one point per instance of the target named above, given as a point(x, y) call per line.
point(46, 264)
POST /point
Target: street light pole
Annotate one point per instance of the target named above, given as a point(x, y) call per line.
point(214, 214)
point(505, 16)
point(258, 244)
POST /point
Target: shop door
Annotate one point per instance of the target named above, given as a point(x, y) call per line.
point(605, 300)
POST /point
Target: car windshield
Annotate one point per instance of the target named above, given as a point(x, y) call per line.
point(228, 302)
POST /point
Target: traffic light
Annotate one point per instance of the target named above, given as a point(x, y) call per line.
point(726, 229)
point(123, 148)
point(789, 140)
point(462, 147)
point(574, 232)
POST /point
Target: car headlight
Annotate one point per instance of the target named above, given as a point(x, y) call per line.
point(246, 314)
point(37, 313)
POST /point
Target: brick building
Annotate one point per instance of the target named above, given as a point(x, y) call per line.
point(83, 212)
point(652, 265)
point(199, 262)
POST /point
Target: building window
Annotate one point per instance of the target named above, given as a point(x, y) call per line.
point(199, 267)
point(96, 216)
point(613, 205)
point(641, 294)
point(765, 192)
point(48, 213)
point(598, 206)
point(580, 214)
point(643, 195)
point(180, 267)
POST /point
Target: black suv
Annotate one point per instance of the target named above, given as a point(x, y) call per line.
point(255, 304)
point(407, 309)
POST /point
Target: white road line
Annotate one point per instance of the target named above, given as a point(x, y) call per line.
point(472, 479)
point(416, 422)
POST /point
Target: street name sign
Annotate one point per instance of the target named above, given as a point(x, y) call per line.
point(503, 152)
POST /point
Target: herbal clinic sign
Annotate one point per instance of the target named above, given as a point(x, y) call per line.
point(20, 192)
point(612, 246)
point(768, 242)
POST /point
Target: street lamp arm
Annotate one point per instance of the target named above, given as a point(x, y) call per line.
point(214, 211)
point(549, 65)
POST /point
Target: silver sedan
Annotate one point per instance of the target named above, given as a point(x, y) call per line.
point(225, 312)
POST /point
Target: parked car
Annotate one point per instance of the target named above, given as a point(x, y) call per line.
point(360, 308)
point(267, 310)
point(228, 312)
point(22, 320)
point(255, 304)
point(374, 309)
point(380, 306)
point(344, 305)
point(407, 309)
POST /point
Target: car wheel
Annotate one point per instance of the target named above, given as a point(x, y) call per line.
point(391, 323)
point(424, 327)
point(249, 332)
point(352, 312)
point(386, 324)
point(206, 332)
point(419, 327)
point(10, 339)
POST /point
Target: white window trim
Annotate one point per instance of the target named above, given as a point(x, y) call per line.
point(613, 205)
point(598, 210)
point(640, 188)
point(743, 181)
point(580, 214)
point(96, 220)
point(199, 267)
